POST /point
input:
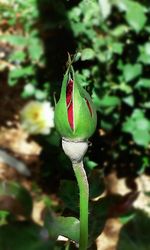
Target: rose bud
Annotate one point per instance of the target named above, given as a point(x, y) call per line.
point(75, 115)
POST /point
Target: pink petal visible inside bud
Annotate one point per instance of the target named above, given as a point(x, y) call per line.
point(69, 102)
point(88, 104)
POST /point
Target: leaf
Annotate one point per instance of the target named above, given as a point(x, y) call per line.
point(69, 193)
point(28, 91)
point(19, 72)
point(145, 164)
point(144, 56)
point(123, 87)
point(139, 127)
point(90, 164)
point(3, 217)
point(135, 234)
point(35, 49)
point(106, 101)
point(141, 137)
point(87, 54)
point(99, 212)
point(129, 100)
point(82, 79)
point(120, 30)
point(23, 236)
point(135, 15)
point(126, 217)
point(117, 48)
point(14, 40)
point(130, 71)
point(17, 56)
point(96, 184)
point(66, 226)
point(145, 105)
point(17, 196)
point(40, 95)
point(105, 104)
point(143, 83)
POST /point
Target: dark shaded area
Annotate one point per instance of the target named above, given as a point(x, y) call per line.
point(10, 101)
point(134, 235)
point(57, 36)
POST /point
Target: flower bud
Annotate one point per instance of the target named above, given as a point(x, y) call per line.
point(75, 116)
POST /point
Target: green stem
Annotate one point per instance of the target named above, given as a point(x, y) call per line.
point(67, 245)
point(84, 200)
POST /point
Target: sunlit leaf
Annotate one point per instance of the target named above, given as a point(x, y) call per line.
point(144, 56)
point(139, 127)
point(130, 71)
point(143, 83)
point(137, 18)
point(87, 54)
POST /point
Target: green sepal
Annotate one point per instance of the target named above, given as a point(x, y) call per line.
point(61, 115)
point(84, 122)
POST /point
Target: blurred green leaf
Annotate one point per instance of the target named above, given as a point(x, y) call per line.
point(3, 217)
point(35, 49)
point(143, 83)
point(139, 127)
point(145, 105)
point(134, 235)
point(99, 212)
point(124, 87)
point(135, 15)
point(126, 217)
point(117, 48)
point(90, 164)
point(129, 100)
point(18, 193)
point(40, 95)
point(19, 72)
point(14, 40)
point(69, 193)
point(145, 164)
point(130, 71)
point(96, 184)
point(120, 30)
point(23, 236)
point(106, 101)
point(141, 137)
point(87, 54)
point(65, 226)
point(17, 56)
point(82, 78)
point(28, 91)
point(144, 56)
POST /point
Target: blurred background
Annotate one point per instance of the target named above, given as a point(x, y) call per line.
point(110, 40)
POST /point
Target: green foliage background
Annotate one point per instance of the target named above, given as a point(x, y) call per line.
point(111, 40)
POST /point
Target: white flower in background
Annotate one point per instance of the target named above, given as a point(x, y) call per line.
point(4, 2)
point(37, 117)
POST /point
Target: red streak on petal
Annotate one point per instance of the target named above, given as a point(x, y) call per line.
point(88, 104)
point(69, 102)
